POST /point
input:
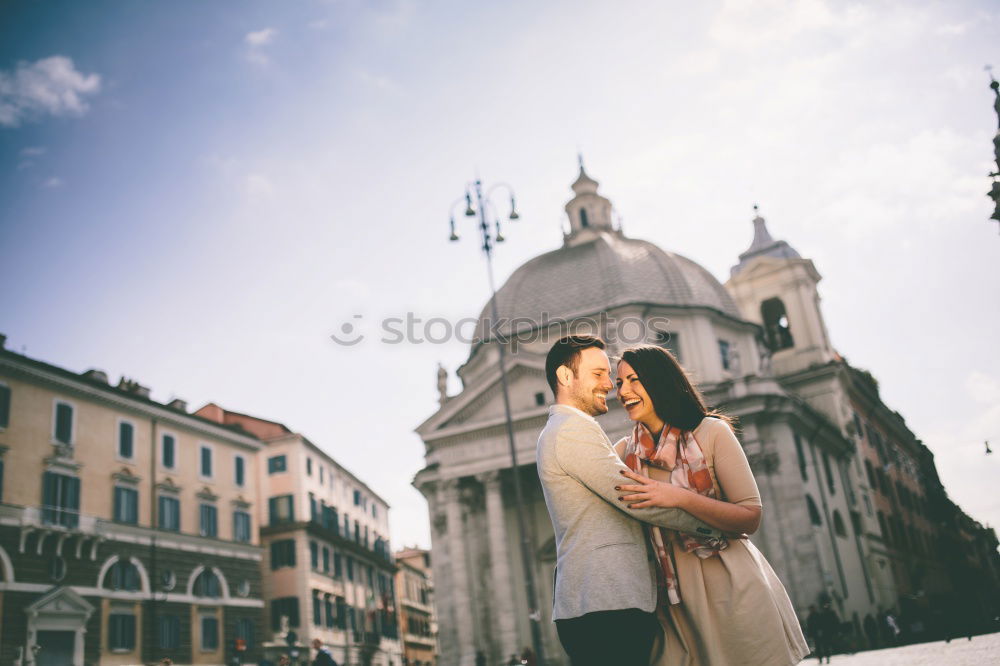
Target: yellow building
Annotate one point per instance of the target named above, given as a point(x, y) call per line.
point(128, 528)
point(328, 568)
point(417, 620)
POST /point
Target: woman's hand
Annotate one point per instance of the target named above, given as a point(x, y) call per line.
point(648, 492)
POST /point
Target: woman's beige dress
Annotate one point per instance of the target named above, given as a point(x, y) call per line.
point(733, 610)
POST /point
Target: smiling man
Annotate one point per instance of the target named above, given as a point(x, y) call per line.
point(605, 588)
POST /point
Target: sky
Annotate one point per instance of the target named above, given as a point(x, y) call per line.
point(197, 195)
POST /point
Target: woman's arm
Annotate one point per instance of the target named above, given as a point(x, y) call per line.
point(741, 513)
point(719, 514)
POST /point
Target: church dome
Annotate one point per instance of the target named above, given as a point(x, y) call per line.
point(605, 271)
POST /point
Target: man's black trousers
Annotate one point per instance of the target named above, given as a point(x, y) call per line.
point(609, 638)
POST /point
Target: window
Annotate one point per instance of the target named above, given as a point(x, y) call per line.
point(328, 610)
point(207, 585)
point(813, 511)
point(126, 501)
point(331, 520)
point(724, 354)
point(539, 399)
point(4, 405)
point(317, 604)
point(60, 499)
point(208, 521)
point(671, 341)
point(241, 526)
point(309, 466)
point(326, 560)
point(314, 555)
point(313, 509)
point(829, 474)
point(338, 565)
point(209, 633)
point(245, 631)
point(169, 510)
point(277, 464)
point(321, 470)
point(168, 632)
point(341, 612)
point(284, 606)
point(282, 553)
point(239, 470)
point(64, 423)
point(776, 330)
point(374, 511)
point(357, 498)
point(123, 575)
point(838, 524)
point(121, 631)
point(803, 470)
point(206, 462)
point(167, 451)
point(583, 218)
point(350, 568)
point(872, 481)
point(280, 509)
point(126, 436)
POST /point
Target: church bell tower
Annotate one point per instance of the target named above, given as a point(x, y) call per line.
point(775, 287)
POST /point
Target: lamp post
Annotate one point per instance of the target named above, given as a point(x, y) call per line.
point(483, 207)
point(994, 192)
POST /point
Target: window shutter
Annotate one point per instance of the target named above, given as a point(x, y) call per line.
point(4, 406)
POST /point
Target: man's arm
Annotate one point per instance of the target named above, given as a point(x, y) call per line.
point(583, 453)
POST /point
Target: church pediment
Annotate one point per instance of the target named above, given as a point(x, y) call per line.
point(61, 601)
point(484, 401)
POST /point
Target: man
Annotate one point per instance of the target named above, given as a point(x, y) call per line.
point(323, 656)
point(605, 588)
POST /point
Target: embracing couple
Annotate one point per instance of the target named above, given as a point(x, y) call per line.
point(653, 565)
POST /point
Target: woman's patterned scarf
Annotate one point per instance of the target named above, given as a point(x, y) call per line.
point(690, 471)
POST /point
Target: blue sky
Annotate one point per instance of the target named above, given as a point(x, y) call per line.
point(196, 195)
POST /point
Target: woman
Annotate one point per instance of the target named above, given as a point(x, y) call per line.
point(720, 602)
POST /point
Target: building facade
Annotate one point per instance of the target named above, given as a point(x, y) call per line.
point(417, 620)
point(759, 349)
point(328, 571)
point(128, 528)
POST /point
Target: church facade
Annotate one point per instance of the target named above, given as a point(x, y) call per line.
point(854, 513)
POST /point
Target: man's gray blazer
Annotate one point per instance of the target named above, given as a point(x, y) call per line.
point(601, 556)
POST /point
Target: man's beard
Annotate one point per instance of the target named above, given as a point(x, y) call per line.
point(587, 402)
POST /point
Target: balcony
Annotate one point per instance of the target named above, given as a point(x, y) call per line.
point(61, 524)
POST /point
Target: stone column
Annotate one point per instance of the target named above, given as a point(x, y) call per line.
point(500, 545)
point(461, 599)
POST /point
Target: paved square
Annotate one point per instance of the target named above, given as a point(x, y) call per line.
point(980, 651)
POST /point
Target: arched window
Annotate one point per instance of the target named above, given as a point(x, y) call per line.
point(583, 218)
point(207, 585)
point(813, 511)
point(776, 329)
point(123, 575)
point(838, 525)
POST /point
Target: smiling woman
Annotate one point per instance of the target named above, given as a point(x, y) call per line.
point(720, 602)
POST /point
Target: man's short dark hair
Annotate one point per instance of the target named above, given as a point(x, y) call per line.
point(566, 351)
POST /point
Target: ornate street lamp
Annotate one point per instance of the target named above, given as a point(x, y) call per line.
point(486, 210)
point(994, 192)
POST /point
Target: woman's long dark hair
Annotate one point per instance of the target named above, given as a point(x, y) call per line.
point(676, 400)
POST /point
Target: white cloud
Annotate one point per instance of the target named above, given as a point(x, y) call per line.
point(50, 86)
point(53, 183)
point(33, 151)
point(257, 43)
point(261, 37)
